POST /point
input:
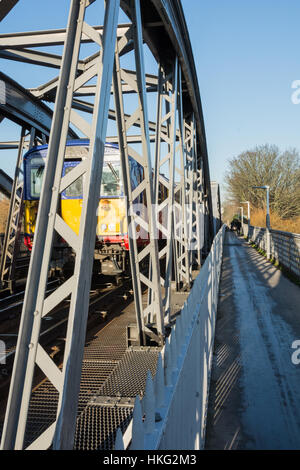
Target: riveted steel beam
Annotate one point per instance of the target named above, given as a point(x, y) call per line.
point(150, 320)
point(181, 213)
point(55, 37)
point(48, 90)
point(165, 155)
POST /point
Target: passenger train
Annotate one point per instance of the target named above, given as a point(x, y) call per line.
point(111, 240)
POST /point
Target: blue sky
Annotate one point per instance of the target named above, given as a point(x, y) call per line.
point(247, 55)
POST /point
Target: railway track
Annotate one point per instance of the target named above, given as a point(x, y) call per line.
point(17, 284)
point(10, 311)
point(11, 305)
point(112, 373)
point(105, 304)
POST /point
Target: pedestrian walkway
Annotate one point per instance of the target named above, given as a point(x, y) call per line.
point(254, 400)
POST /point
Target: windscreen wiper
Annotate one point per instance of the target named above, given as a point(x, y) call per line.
point(113, 172)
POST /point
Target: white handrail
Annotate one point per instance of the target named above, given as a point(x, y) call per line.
point(175, 402)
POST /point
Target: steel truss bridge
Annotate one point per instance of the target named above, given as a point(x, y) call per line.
point(114, 84)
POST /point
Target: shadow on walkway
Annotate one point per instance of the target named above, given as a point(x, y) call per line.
point(254, 398)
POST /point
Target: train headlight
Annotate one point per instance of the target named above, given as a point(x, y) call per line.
point(112, 227)
point(103, 227)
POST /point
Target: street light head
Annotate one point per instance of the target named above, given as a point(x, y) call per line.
point(261, 187)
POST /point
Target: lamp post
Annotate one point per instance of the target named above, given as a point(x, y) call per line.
point(248, 203)
point(242, 218)
point(267, 218)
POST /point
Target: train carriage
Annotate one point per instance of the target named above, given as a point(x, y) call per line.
point(111, 241)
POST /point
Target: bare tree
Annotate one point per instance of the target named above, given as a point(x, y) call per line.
point(266, 165)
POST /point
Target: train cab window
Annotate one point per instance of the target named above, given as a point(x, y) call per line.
point(36, 176)
point(111, 184)
point(74, 191)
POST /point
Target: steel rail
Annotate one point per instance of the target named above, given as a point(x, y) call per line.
point(94, 300)
point(4, 311)
point(17, 295)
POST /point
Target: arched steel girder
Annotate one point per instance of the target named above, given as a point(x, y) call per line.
point(160, 25)
point(164, 23)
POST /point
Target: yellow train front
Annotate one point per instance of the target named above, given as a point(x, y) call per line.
point(111, 245)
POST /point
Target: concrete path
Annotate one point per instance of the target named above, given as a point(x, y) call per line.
point(255, 386)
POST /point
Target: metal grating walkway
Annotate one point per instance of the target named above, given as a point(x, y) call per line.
point(108, 370)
